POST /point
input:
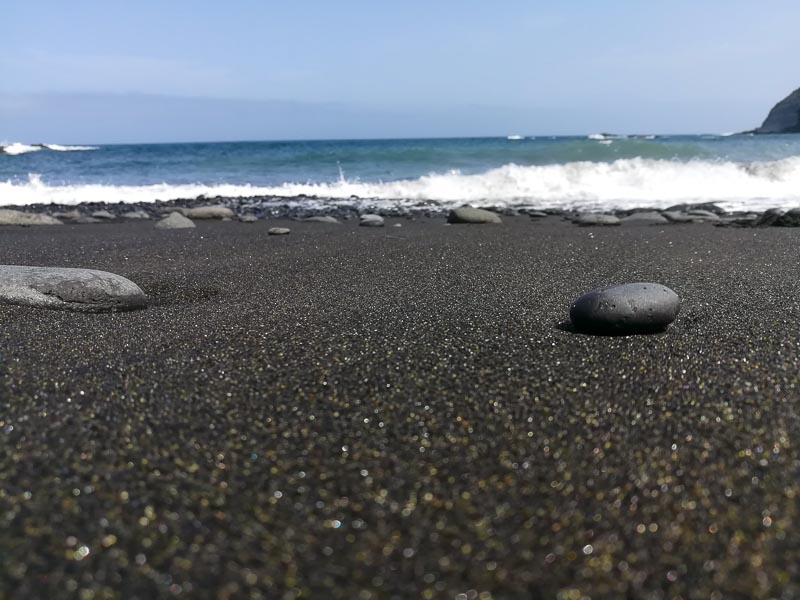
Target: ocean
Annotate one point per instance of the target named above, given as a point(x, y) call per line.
point(595, 172)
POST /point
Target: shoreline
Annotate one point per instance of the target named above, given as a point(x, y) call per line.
point(376, 412)
point(302, 206)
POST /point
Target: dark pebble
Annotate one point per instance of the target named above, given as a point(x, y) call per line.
point(623, 309)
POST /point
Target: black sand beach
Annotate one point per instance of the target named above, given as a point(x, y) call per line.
point(365, 413)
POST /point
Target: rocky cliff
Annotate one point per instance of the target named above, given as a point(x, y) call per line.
point(784, 116)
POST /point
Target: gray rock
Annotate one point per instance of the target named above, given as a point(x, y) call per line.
point(69, 215)
point(76, 217)
point(371, 221)
point(322, 219)
point(210, 212)
point(136, 214)
point(279, 231)
point(17, 217)
point(248, 218)
point(467, 214)
point(679, 217)
point(784, 116)
point(397, 225)
point(790, 218)
point(706, 206)
point(536, 214)
point(769, 217)
point(102, 214)
point(592, 219)
point(629, 308)
point(651, 217)
point(83, 290)
point(704, 215)
point(175, 220)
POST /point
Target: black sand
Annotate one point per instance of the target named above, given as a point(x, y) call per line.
point(397, 413)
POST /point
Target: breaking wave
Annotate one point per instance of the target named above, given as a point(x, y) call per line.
point(624, 183)
point(19, 148)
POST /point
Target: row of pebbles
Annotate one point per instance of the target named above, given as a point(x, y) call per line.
point(303, 207)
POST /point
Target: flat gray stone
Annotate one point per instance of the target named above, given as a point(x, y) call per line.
point(210, 212)
point(17, 217)
point(175, 220)
point(102, 214)
point(679, 217)
point(371, 221)
point(645, 218)
point(473, 216)
point(248, 218)
point(279, 231)
point(704, 215)
point(136, 214)
point(322, 219)
point(82, 290)
point(595, 219)
point(623, 309)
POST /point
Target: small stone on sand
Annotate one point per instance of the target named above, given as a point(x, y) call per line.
point(175, 220)
point(625, 309)
point(467, 214)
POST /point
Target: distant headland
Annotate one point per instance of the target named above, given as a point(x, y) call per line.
point(784, 116)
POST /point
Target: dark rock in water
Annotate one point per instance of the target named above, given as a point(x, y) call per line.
point(82, 290)
point(467, 214)
point(769, 217)
point(279, 231)
point(592, 219)
point(790, 218)
point(784, 116)
point(322, 219)
point(624, 309)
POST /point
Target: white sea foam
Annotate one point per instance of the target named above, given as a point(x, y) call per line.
point(624, 183)
point(17, 148)
point(59, 148)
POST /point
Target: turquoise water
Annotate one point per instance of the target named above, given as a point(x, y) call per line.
point(594, 172)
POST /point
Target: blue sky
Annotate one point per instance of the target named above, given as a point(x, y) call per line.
point(91, 71)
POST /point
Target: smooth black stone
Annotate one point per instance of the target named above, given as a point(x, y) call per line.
point(640, 307)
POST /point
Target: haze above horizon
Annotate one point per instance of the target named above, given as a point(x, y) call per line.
point(92, 72)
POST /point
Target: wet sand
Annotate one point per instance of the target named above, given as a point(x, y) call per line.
point(352, 412)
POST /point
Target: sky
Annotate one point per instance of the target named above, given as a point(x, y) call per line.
point(90, 71)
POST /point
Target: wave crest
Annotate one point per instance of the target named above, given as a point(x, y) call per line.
point(20, 148)
point(625, 183)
